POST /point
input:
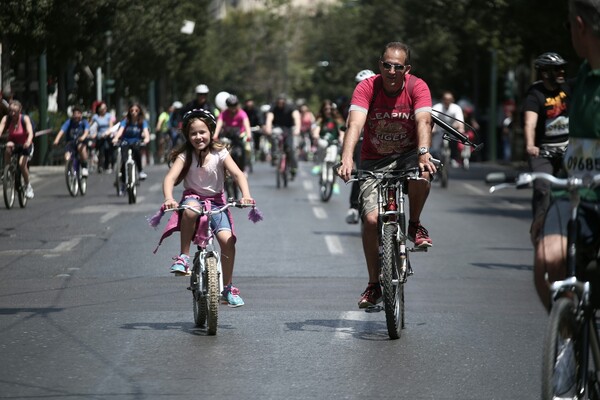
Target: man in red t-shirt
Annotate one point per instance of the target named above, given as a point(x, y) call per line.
point(394, 111)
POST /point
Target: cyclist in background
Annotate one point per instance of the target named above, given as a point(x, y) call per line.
point(287, 117)
point(452, 115)
point(546, 129)
point(201, 101)
point(104, 121)
point(256, 122)
point(233, 124)
point(20, 133)
point(307, 121)
point(584, 146)
point(327, 128)
point(201, 164)
point(394, 108)
point(76, 130)
point(162, 131)
point(353, 216)
point(133, 129)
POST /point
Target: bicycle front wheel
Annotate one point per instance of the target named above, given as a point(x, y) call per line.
point(20, 189)
point(8, 186)
point(200, 304)
point(71, 178)
point(326, 182)
point(213, 295)
point(131, 183)
point(393, 288)
point(560, 362)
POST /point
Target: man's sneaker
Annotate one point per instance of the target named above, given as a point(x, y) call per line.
point(316, 170)
point(231, 296)
point(352, 216)
point(143, 175)
point(84, 172)
point(292, 174)
point(29, 191)
point(419, 235)
point(181, 266)
point(371, 296)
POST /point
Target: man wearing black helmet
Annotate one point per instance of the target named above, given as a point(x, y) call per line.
point(546, 129)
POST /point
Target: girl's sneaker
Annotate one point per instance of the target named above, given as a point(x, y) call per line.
point(231, 296)
point(181, 266)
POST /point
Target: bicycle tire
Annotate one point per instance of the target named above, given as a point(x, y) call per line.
point(20, 188)
point(131, 185)
point(326, 185)
point(213, 295)
point(393, 289)
point(118, 161)
point(8, 185)
point(562, 325)
point(82, 184)
point(200, 305)
point(278, 176)
point(71, 178)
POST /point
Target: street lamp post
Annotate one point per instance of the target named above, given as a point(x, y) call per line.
point(108, 82)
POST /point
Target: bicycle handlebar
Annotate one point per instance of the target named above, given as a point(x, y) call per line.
point(453, 134)
point(394, 174)
point(525, 180)
point(202, 210)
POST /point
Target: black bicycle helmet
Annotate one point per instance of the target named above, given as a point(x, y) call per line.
point(205, 115)
point(549, 60)
point(232, 100)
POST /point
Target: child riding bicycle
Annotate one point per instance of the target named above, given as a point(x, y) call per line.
point(200, 163)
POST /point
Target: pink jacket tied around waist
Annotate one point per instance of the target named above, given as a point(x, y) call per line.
point(200, 237)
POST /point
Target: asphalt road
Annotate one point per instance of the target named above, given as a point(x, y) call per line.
point(87, 311)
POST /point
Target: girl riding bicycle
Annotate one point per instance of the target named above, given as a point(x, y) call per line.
point(200, 163)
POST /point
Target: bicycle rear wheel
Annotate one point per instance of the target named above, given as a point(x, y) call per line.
point(200, 304)
point(8, 186)
point(118, 161)
point(393, 288)
point(213, 295)
point(82, 183)
point(71, 178)
point(560, 360)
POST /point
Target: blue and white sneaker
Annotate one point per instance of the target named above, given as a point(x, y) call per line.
point(181, 266)
point(231, 296)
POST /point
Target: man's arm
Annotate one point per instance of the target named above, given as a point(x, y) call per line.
point(529, 124)
point(296, 116)
point(356, 122)
point(424, 127)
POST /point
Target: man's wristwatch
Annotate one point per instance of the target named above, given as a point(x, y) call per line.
point(423, 150)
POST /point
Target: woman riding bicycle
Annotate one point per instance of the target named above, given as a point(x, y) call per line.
point(200, 163)
point(20, 133)
point(233, 124)
point(133, 130)
point(327, 129)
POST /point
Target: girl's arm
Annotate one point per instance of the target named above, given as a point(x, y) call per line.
point(29, 130)
point(118, 135)
point(247, 129)
point(169, 183)
point(240, 178)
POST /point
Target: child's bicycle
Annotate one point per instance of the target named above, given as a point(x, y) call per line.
point(394, 251)
point(76, 181)
point(571, 359)
point(206, 282)
point(13, 183)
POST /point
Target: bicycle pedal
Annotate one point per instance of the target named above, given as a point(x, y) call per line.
point(373, 309)
point(419, 249)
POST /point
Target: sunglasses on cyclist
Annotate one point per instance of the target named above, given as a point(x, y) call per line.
point(397, 67)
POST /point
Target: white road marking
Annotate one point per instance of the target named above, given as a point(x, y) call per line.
point(320, 212)
point(313, 198)
point(333, 244)
point(308, 185)
point(62, 247)
point(475, 189)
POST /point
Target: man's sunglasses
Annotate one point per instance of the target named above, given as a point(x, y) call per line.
point(397, 67)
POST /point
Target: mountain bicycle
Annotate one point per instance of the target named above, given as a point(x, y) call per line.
point(571, 359)
point(76, 181)
point(130, 182)
point(206, 279)
point(327, 175)
point(280, 157)
point(394, 252)
point(13, 183)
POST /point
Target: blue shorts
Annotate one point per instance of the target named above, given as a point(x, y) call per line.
point(219, 222)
